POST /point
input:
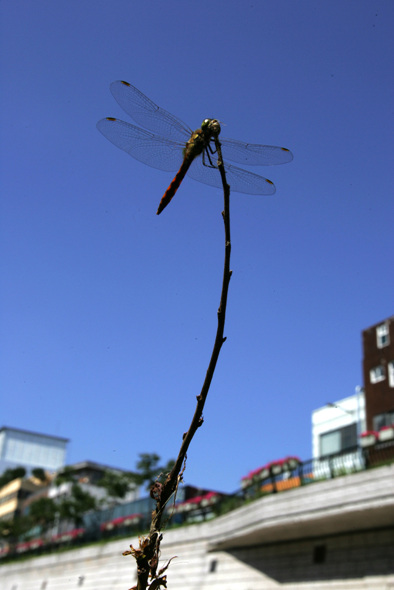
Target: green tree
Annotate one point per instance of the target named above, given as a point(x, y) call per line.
point(12, 529)
point(11, 474)
point(40, 474)
point(118, 484)
point(149, 469)
point(43, 512)
point(65, 475)
point(75, 506)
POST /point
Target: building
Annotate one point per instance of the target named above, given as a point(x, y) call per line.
point(336, 427)
point(22, 448)
point(14, 494)
point(378, 370)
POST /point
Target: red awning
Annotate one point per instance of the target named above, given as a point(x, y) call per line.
point(121, 520)
point(68, 536)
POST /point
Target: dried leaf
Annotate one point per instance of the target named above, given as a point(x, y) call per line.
point(163, 569)
point(158, 582)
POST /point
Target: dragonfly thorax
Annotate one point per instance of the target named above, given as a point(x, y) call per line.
point(201, 138)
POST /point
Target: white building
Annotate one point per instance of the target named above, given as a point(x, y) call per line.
point(336, 427)
point(21, 448)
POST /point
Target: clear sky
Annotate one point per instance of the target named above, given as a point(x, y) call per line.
point(109, 311)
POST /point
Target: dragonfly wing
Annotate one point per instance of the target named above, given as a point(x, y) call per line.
point(143, 145)
point(253, 154)
point(241, 181)
point(147, 113)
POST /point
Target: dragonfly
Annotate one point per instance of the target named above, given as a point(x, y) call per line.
point(165, 142)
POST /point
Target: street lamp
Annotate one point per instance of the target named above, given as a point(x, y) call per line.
point(332, 405)
point(359, 390)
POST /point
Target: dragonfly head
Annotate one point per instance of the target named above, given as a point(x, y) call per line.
point(211, 127)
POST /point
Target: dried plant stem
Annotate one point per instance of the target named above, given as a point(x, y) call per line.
point(148, 552)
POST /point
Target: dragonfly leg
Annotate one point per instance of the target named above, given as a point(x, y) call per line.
point(207, 154)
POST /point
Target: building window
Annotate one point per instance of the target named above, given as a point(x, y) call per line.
point(391, 373)
point(339, 440)
point(380, 420)
point(213, 565)
point(377, 374)
point(382, 335)
point(319, 553)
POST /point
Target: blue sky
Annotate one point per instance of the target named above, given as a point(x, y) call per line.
point(109, 311)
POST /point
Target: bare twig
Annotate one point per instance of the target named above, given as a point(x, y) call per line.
point(148, 553)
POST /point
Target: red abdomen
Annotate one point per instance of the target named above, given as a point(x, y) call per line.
point(170, 192)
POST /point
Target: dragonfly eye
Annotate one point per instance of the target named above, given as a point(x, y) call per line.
point(214, 126)
point(211, 126)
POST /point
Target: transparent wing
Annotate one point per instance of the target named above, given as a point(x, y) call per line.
point(143, 145)
point(241, 181)
point(167, 155)
point(147, 113)
point(253, 154)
